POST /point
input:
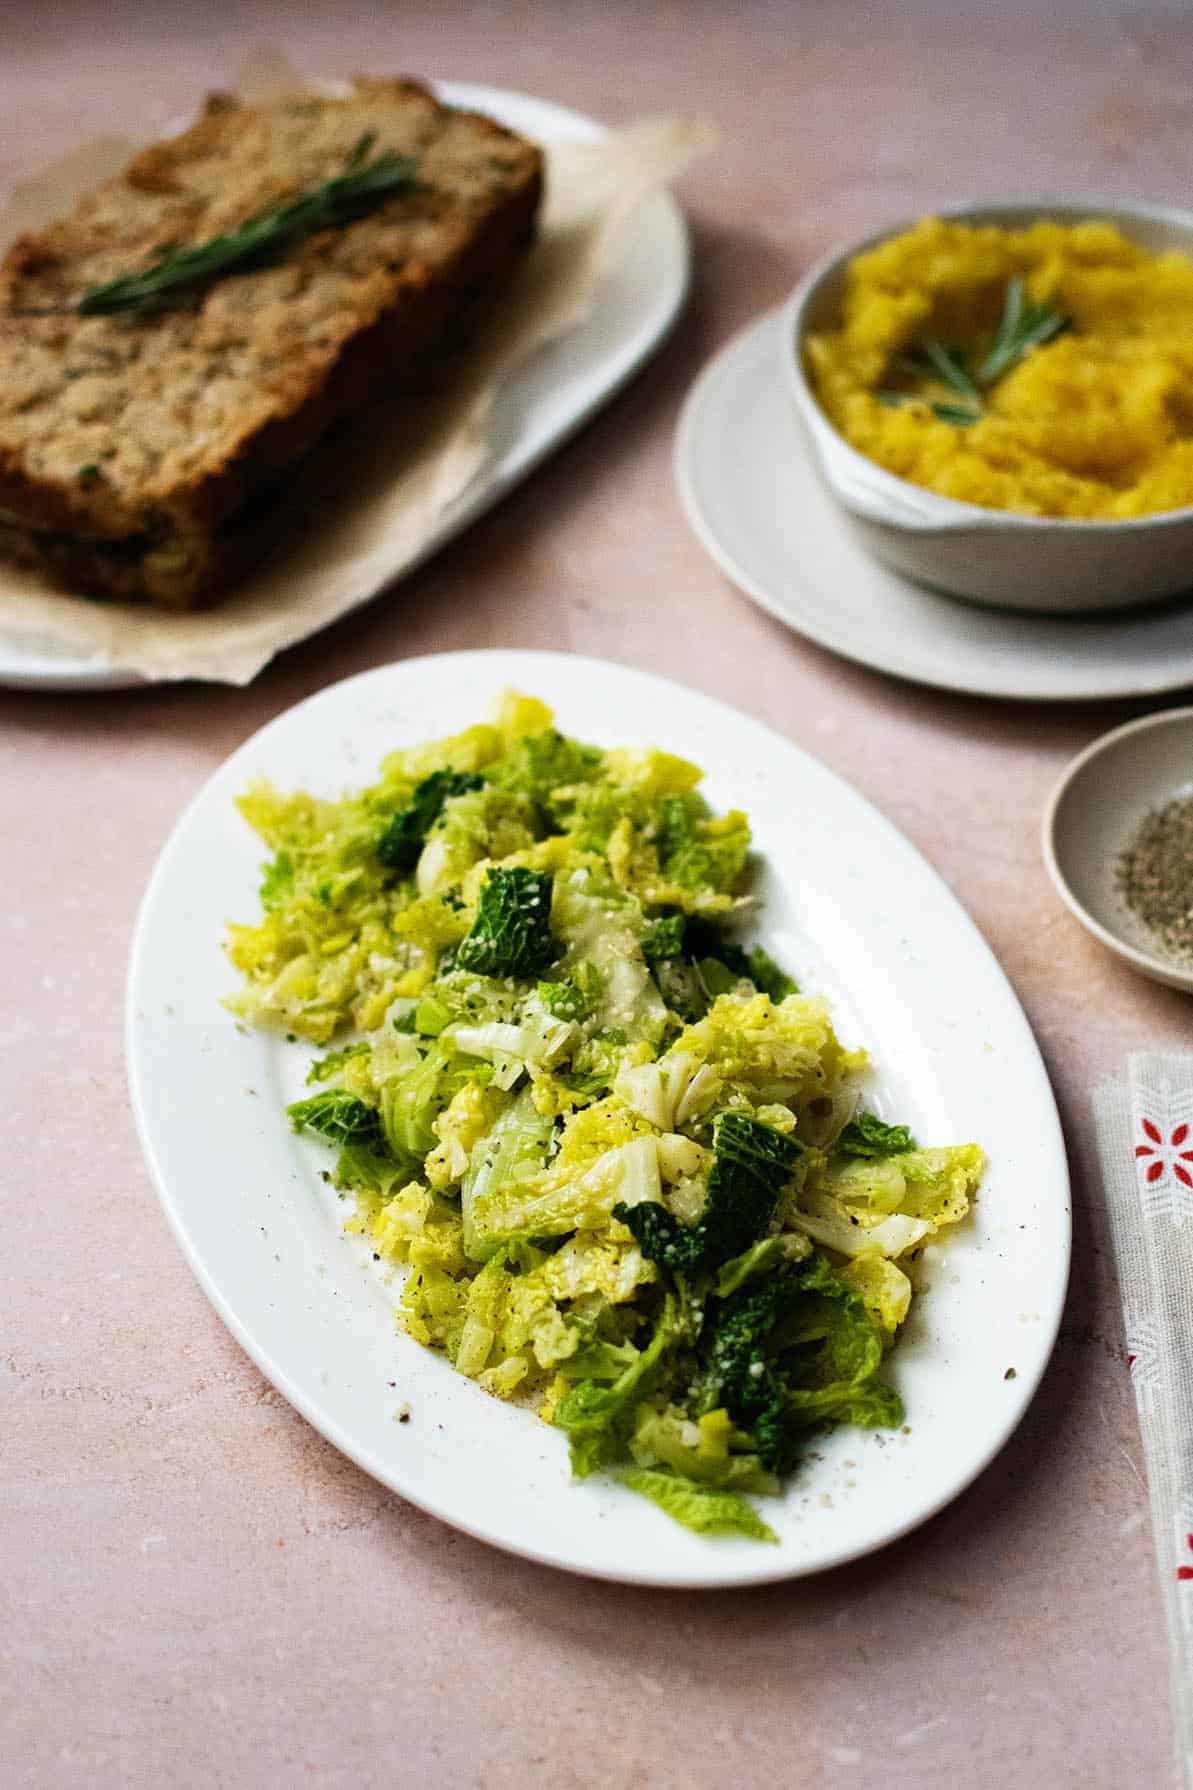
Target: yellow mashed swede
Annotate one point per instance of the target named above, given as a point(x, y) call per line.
point(1098, 422)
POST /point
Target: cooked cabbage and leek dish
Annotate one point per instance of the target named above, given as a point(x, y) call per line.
point(628, 1163)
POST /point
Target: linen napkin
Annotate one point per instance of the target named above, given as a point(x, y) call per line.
point(1145, 1142)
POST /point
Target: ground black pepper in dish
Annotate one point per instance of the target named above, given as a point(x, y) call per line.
point(1155, 875)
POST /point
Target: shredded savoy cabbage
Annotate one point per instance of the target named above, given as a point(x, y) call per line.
point(625, 1161)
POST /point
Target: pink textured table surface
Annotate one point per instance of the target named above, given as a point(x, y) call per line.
point(196, 1589)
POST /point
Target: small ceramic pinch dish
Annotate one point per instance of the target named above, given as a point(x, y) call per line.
point(1051, 565)
point(1136, 774)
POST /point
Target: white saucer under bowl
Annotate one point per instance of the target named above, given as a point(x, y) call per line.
point(1094, 810)
point(749, 483)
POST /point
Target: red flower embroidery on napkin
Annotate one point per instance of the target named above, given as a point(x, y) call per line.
point(1164, 1155)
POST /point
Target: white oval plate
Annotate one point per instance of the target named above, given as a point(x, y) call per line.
point(547, 399)
point(754, 496)
point(847, 904)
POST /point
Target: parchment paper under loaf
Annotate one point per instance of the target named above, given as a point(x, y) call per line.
point(376, 510)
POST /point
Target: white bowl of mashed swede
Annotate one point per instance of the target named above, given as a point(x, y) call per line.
point(1001, 557)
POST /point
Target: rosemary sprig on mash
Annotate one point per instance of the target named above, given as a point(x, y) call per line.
point(178, 272)
point(1021, 326)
